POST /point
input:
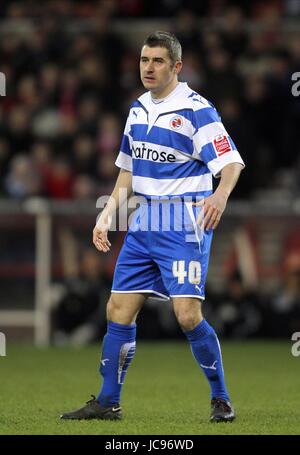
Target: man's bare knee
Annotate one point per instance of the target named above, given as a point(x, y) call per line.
point(114, 310)
point(188, 312)
point(124, 308)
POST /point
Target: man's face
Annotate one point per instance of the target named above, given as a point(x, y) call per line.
point(156, 68)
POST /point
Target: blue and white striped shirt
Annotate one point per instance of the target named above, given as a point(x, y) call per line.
point(173, 148)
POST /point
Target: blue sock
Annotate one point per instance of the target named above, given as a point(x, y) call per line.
point(206, 350)
point(117, 352)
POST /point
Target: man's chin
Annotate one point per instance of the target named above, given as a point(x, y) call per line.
point(149, 85)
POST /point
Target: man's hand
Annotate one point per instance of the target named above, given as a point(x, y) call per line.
point(214, 205)
point(120, 194)
point(100, 231)
point(213, 208)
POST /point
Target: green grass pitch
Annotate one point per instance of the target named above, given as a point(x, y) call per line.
point(164, 393)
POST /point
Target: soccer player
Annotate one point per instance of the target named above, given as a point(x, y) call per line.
point(173, 143)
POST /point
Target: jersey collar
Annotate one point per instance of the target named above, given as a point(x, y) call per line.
point(178, 99)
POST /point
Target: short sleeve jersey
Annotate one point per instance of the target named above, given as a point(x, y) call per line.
point(174, 147)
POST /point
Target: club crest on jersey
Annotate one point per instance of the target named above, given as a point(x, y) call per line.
point(176, 122)
point(221, 144)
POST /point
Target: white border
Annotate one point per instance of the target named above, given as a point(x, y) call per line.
point(188, 295)
point(157, 293)
point(140, 291)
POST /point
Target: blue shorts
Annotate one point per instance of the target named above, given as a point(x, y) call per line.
point(170, 262)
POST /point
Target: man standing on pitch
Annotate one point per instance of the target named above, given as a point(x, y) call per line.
point(173, 144)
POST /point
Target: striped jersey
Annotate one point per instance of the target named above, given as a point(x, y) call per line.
point(174, 147)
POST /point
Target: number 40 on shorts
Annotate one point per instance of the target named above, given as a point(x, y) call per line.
point(193, 273)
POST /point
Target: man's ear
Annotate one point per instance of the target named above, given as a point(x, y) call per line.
point(177, 67)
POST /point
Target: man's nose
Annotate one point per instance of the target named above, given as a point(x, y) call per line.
point(149, 67)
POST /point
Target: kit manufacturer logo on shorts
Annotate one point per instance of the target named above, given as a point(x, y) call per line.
point(176, 122)
point(222, 144)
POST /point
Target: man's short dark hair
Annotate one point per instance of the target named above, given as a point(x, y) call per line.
point(167, 40)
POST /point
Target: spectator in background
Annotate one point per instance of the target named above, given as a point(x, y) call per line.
point(233, 35)
point(192, 71)
point(88, 113)
point(4, 161)
point(278, 82)
point(83, 155)
point(222, 77)
point(230, 109)
point(238, 310)
point(292, 8)
point(256, 110)
point(284, 309)
point(129, 77)
point(79, 316)
point(49, 84)
point(18, 131)
point(108, 130)
point(42, 153)
point(84, 188)
point(109, 45)
point(107, 173)
point(187, 31)
point(59, 179)
point(22, 180)
point(211, 42)
point(68, 86)
point(68, 129)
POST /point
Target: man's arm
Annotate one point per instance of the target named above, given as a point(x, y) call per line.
point(117, 198)
point(215, 204)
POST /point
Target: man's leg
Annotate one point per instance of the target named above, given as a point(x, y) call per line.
point(117, 352)
point(118, 344)
point(206, 350)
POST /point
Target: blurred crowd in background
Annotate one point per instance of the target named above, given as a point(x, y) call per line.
point(71, 74)
point(69, 89)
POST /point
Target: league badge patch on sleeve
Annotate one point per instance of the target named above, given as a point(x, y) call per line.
point(222, 144)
